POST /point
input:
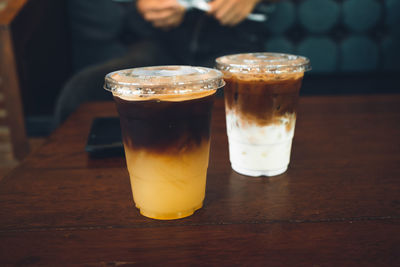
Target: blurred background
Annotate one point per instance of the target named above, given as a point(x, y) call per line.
point(353, 46)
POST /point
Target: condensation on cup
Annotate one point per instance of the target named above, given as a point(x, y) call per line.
point(261, 96)
point(165, 114)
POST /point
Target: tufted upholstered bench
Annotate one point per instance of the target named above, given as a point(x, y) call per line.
point(354, 45)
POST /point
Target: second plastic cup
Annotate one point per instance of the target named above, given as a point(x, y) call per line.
point(261, 95)
point(165, 115)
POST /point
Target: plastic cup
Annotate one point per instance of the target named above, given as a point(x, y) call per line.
point(261, 95)
point(165, 114)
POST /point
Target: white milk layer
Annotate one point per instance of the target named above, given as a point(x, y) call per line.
point(260, 150)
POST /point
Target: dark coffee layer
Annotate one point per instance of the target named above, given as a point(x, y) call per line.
point(262, 100)
point(165, 126)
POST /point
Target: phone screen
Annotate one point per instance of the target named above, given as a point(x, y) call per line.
point(104, 139)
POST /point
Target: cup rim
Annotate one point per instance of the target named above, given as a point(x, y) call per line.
point(167, 80)
point(263, 62)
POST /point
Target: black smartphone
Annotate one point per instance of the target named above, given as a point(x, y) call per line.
point(105, 139)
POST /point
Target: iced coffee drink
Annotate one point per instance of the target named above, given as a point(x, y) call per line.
point(165, 115)
point(261, 96)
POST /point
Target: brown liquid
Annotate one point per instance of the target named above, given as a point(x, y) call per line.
point(165, 126)
point(262, 99)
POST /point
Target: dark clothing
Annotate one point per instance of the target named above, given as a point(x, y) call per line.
point(108, 36)
point(87, 84)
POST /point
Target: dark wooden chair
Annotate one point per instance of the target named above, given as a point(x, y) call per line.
point(10, 90)
point(33, 64)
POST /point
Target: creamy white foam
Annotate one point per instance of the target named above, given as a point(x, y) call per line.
point(259, 150)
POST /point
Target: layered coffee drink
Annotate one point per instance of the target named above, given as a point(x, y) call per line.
point(166, 138)
point(261, 96)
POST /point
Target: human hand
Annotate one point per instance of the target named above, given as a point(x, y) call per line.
point(231, 12)
point(163, 14)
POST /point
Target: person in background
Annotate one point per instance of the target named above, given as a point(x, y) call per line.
point(110, 35)
point(168, 14)
point(196, 37)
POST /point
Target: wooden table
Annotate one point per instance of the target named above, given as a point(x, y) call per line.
point(338, 204)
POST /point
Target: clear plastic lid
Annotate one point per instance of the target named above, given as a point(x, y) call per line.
point(163, 80)
point(263, 63)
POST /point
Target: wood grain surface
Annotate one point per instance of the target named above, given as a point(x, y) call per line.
point(338, 203)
